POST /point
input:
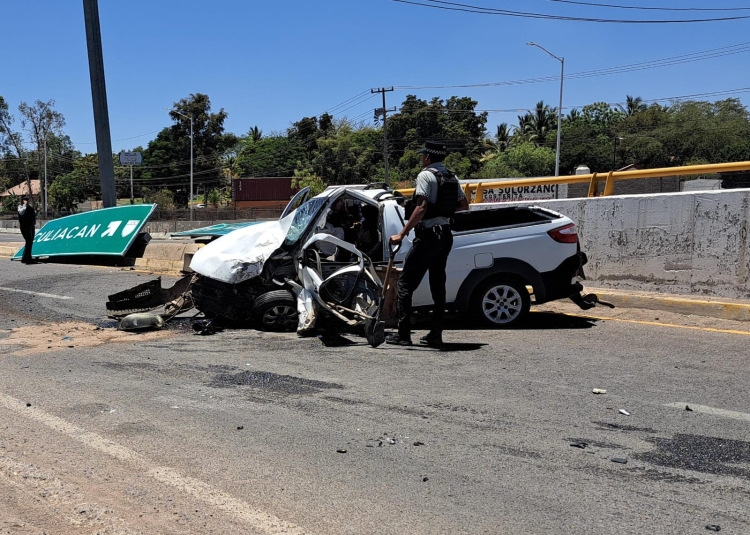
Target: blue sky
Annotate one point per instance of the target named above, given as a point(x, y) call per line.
point(270, 63)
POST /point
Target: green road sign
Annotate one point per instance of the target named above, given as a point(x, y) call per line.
point(109, 231)
point(220, 229)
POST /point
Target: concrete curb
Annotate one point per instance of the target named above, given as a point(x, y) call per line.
point(679, 304)
point(9, 248)
point(167, 258)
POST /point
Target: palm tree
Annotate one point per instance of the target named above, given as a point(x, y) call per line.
point(230, 166)
point(544, 121)
point(255, 134)
point(573, 116)
point(632, 106)
point(502, 139)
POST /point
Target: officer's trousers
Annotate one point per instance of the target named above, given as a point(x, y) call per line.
point(27, 231)
point(429, 252)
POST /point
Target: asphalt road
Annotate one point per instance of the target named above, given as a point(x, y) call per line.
point(249, 432)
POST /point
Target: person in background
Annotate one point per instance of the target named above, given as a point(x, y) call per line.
point(27, 222)
point(436, 198)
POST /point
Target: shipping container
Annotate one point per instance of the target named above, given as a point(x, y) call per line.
point(263, 189)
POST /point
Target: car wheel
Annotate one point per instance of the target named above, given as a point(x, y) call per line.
point(275, 311)
point(501, 302)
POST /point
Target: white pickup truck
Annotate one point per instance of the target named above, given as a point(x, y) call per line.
point(500, 252)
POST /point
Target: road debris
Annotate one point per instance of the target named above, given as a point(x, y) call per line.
point(425, 479)
point(687, 408)
point(141, 322)
point(417, 443)
point(205, 327)
point(150, 297)
point(581, 445)
point(623, 411)
point(342, 450)
point(619, 460)
point(713, 527)
point(599, 391)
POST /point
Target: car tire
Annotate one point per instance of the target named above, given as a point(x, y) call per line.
point(275, 311)
point(501, 302)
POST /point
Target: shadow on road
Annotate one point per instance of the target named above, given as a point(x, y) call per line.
point(534, 321)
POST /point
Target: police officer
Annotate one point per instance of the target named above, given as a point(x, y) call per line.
point(27, 221)
point(436, 198)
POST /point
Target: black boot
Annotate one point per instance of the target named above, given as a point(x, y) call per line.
point(432, 339)
point(398, 339)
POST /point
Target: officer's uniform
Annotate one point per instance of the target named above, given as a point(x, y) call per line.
point(431, 246)
point(27, 222)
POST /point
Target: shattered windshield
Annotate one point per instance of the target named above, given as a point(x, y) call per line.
point(303, 217)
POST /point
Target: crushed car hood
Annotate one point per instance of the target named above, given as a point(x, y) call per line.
point(240, 255)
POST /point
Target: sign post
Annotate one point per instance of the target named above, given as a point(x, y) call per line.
point(131, 159)
point(107, 232)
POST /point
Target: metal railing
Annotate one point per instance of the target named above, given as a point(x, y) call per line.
point(594, 179)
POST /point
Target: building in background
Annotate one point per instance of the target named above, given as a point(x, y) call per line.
point(267, 193)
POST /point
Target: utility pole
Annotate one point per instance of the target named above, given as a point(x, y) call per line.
point(99, 98)
point(384, 111)
point(45, 175)
point(132, 200)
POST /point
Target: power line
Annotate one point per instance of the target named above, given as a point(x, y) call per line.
point(615, 6)
point(651, 64)
point(468, 8)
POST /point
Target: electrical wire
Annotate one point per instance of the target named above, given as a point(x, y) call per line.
point(468, 8)
point(653, 8)
point(631, 67)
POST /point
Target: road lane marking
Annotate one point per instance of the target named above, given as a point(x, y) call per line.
point(713, 411)
point(657, 324)
point(262, 522)
point(40, 294)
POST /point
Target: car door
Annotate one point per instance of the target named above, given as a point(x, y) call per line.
point(299, 198)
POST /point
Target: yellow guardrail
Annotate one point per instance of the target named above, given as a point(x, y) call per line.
point(594, 178)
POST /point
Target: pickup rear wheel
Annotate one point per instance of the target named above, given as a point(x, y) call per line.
point(501, 302)
point(275, 311)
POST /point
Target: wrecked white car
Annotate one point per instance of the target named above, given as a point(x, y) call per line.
point(319, 250)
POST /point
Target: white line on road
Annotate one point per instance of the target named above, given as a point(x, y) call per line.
point(40, 294)
point(713, 411)
point(263, 522)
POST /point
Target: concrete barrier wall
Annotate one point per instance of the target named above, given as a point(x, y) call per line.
point(690, 243)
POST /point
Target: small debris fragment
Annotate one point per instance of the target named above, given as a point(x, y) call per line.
point(425, 479)
point(417, 443)
point(28, 404)
point(581, 445)
point(623, 411)
point(67, 337)
point(599, 391)
point(341, 450)
point(391, 441)
point(713, 527)
point(240, 427)
point(619, 460)
point(687, 408)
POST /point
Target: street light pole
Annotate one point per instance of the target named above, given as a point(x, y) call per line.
point(45, 175)
point(190, 116)
point(559, 108)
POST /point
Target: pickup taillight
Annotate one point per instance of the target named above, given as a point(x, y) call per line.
point(566, 234)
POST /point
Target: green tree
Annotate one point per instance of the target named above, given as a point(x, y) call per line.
point(632, 106)
point(270, 156)
point(13, 142)
point(306, 178)
point(454, 121)
point(521, 160)
point(167, 158)
point(348, 154)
